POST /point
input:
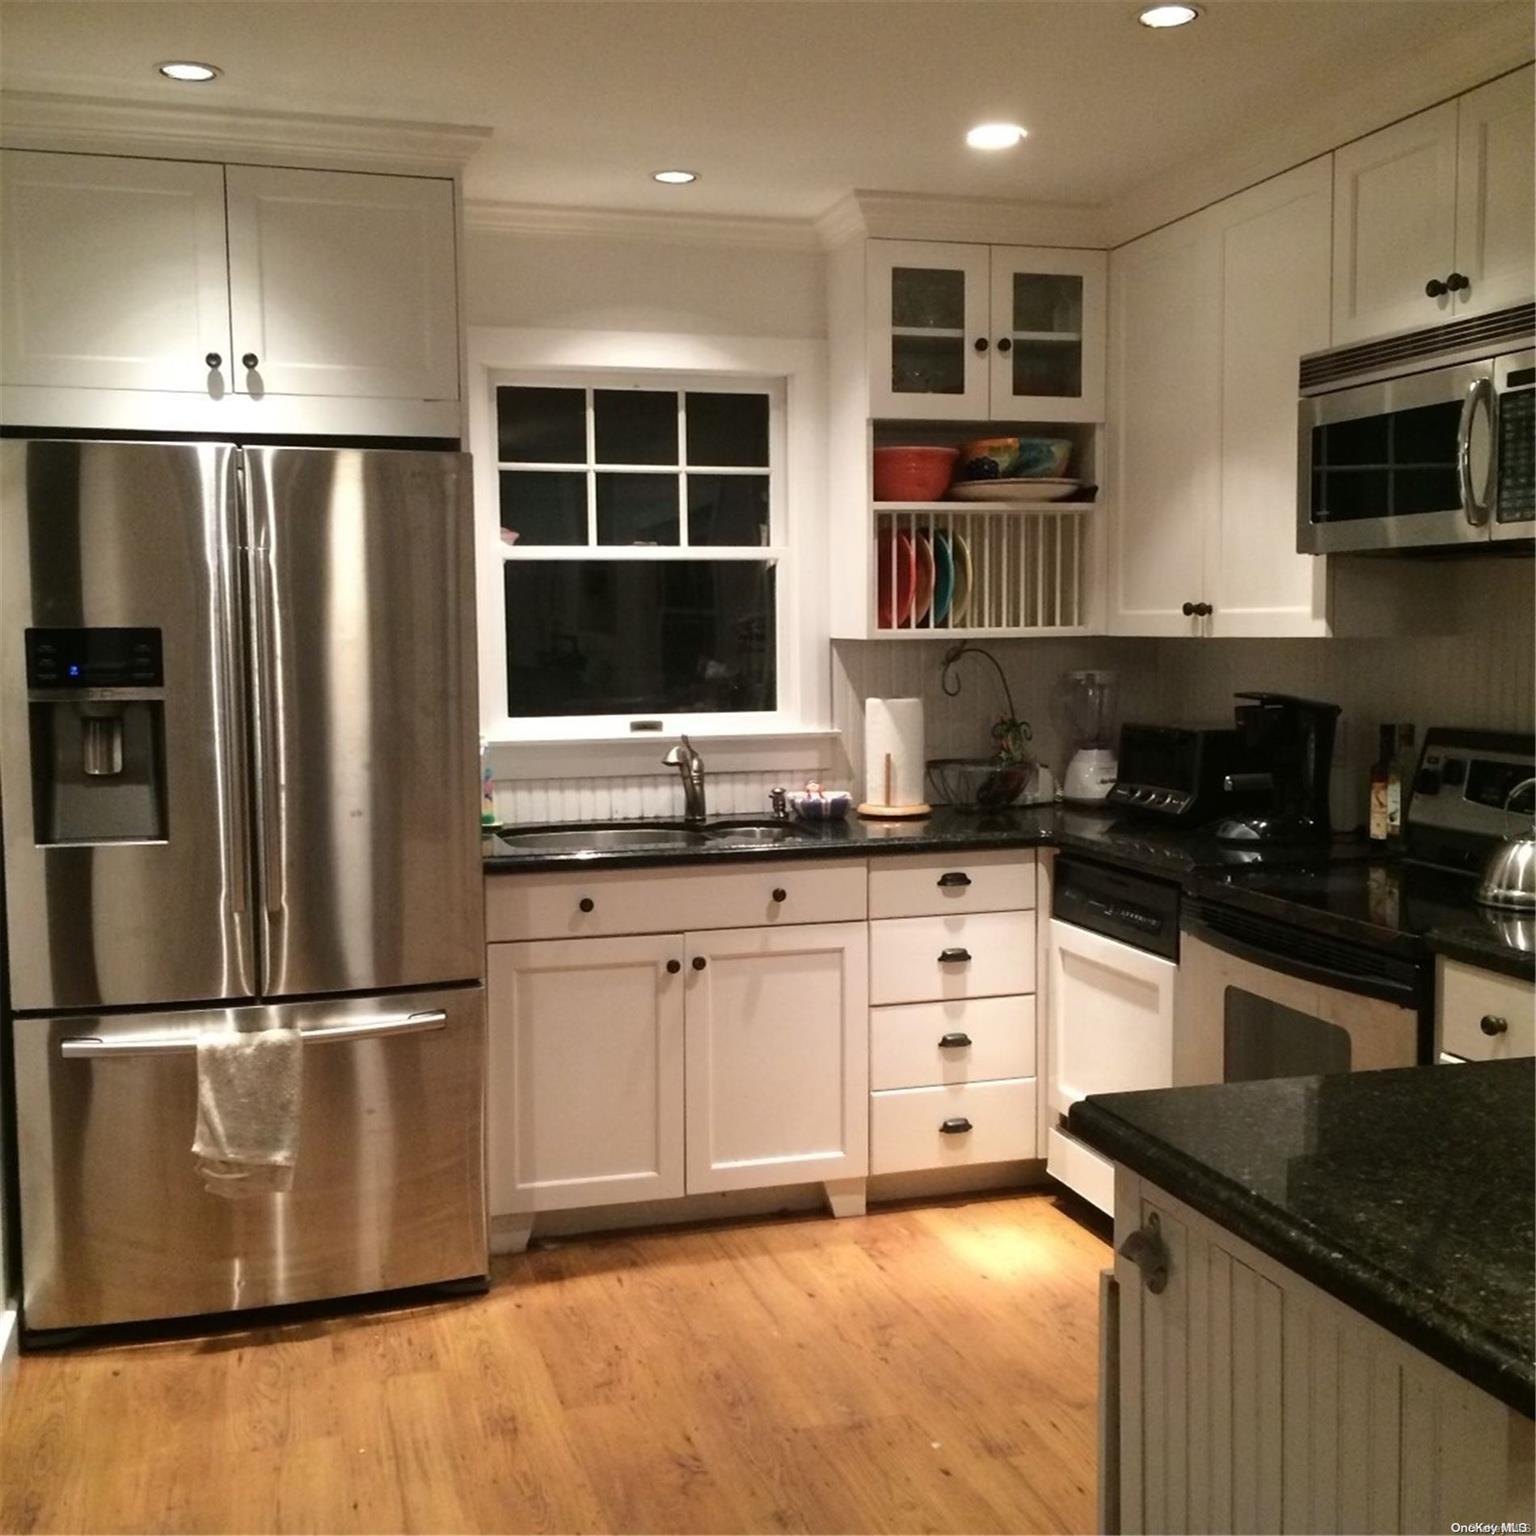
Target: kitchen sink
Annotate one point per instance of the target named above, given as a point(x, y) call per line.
point(601, 839)
point(757, 832)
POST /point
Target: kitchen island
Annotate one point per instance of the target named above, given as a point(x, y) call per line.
point(1321, 1316)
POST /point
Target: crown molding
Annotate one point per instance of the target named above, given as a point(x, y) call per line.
point(973, 220)
point(634, 224)
point(1488, 42)
point(44, 120)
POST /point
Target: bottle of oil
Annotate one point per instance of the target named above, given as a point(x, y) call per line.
point(1381, 779)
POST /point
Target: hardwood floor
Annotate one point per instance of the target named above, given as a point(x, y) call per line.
point(920, 1369)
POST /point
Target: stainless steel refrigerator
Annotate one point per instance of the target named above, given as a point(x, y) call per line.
point(238, 785)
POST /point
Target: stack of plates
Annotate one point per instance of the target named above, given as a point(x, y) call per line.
point(925, 579)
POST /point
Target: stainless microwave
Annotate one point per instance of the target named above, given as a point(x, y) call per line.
point(1420, 441)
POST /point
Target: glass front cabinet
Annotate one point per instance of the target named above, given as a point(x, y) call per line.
point(977, 333)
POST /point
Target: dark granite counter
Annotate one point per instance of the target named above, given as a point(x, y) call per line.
point(1497, 941)
point(1409, 1195)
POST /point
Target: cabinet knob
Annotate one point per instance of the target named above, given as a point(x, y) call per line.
point(1491, 1024)
point(214, 360)
point(780, 894)
point(1203, 610)
point(954, 957)
point(587, 904)
point(954, 877)
point(1434, 288)
point(956, 1125)
point(673, 967)
point(1188, 610)
point(954, 1038)
point(250, 360)
point(699, 962)
point(1005, 344)
point(1457, 282)
point(980, 343)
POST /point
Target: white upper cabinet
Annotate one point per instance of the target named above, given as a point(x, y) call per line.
point(1495, 207)
point(778, 1056)
point(1211, 317)
point(977, 333)
point(342, 284)
point(113, 274)
point(1394, 218)
point(1433, 216)
point(1164, 426)
point(1273, 244)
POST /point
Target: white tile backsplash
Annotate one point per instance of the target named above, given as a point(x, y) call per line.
point(647, 795)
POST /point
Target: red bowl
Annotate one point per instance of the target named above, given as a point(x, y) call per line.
point(914, 473)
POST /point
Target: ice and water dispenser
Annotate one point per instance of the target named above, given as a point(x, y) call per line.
point(96, 706)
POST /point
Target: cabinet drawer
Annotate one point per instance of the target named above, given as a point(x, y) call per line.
point(671, 900)
point(905, 1049)
point(965, 882)
point(993, 954)
point(1469, 995)
point(905, 1125)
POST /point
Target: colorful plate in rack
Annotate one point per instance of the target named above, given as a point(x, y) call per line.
point(943, 579)
point(1023, 489)
point(897, 579)
point(922, 603)
point(960, 603)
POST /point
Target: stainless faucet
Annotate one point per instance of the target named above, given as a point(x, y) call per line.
point(691, 765)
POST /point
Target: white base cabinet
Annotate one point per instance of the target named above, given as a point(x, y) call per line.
point(778, 1056)
point(1250, 1400)
point(585, 1077)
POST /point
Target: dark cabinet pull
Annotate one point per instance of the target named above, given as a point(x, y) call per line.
point(1196, 610)
point(980, 343)
point(954, 956)
point(250, 360)
point(673, 967)
point(954, 877)
point(1004, 344)
point(956, 1125)
point(699, 962)
point(1458, 282)
point(1434, 288)
point(954, 1037)
point(1491, 1024)
point(1146, 1249)
point(587, 904)
point(1188, 610)
point(780, 894)
point(214, 360)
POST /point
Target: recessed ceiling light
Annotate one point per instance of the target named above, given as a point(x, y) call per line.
point(995, 135)
point(675, 178)
point(188, 70)
point(1169, 16)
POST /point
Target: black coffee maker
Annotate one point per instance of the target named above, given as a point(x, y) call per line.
point(1288, 744)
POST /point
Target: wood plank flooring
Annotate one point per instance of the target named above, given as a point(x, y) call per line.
point(924, 1368)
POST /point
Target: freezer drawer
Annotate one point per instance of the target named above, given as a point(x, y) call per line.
point(388, 1190)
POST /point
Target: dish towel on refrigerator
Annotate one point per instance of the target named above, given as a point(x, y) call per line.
point(248, 1091)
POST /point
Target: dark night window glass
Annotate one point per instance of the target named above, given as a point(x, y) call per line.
point(635, 426)
point(728, 509)
point(544, 506)
point(638, 509)
point(728, 430)
point(631, 637)
point(541, 426)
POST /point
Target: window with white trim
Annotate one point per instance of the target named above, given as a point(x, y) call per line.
point(643, 543)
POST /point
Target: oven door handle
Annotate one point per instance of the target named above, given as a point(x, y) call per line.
point(1405, 994)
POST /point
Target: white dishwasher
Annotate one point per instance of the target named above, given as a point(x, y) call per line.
point(1114, 947)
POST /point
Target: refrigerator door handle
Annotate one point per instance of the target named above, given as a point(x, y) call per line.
point(94, 1047)
point(234, 805)
point(269, 782)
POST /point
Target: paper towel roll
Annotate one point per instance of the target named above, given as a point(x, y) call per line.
point(893, 728)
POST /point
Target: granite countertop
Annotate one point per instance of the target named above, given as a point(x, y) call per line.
point(1408, 1194)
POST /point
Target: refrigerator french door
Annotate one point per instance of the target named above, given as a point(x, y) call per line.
point(238, 788)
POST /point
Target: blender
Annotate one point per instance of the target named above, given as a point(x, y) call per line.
point(1088, 700)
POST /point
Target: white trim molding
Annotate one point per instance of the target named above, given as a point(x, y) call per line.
point(635, 224)
point(97, 124)
point(969, 220)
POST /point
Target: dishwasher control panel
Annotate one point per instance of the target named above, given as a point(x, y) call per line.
point(1139, 910)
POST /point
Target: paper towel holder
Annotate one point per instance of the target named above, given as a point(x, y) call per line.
point(884, 811)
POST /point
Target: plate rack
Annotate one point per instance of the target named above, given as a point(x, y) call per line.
point(1016, 569)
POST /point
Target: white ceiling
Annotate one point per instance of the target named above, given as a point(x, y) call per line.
point(782, 105)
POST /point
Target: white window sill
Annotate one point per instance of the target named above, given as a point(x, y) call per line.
point(636, 753)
